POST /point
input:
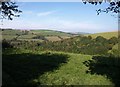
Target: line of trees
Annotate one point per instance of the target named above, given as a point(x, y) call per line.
point(82, 44)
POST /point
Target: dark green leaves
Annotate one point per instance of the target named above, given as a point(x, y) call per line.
point(9, 10)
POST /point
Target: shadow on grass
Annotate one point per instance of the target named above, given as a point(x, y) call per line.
point(109, 66)
point(21, 69)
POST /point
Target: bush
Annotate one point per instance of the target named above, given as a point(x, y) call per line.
point(6, 44)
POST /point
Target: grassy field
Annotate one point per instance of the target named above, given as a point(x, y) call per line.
point(53, 38)
point(29, 40)
point(105, 34)
point(55, 68)
point(65, 37)
point(73, 73)
point(29, 36)
point(8, 37)
point(11, 32)
point(49, 34)
point(115, 46)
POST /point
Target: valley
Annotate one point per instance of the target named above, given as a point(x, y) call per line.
point(46, 57)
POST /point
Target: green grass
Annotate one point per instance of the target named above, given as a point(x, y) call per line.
point(8, 37)
point(29, 36)
point(37, 40)
point(48, 68)
point(115, 46)
point(73, 73)
point(22, 67)
point(65, 37)
point(53, 38)
point(105, 34)
point(11, 32)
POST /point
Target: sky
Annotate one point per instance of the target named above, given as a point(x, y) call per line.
point(63, 16)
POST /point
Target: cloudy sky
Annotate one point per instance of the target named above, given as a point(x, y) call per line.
point(63, 16)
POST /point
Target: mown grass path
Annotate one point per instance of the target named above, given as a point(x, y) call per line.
point(73, 73)
point(48, 68)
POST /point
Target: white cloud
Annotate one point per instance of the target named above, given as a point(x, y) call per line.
point(72, 26)
point(58, 24)
point(45, 13)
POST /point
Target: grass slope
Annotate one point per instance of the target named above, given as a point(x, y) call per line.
point(73, 73)
point(105, 34)
point(48, 68)
point(11, 32)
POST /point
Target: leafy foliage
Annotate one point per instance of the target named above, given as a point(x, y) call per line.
point(6, 44)
point(113, 6)
point(9, 10)
point(40, 37)
point(82, 44)
point(78, 44)
point(101, 65)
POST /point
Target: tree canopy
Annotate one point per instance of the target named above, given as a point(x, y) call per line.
point(9, 10)
point(114, 6)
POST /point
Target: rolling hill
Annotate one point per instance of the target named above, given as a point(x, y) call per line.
point(51, 35)
point(105, 34)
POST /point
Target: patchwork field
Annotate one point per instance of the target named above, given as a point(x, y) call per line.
point(50, 35)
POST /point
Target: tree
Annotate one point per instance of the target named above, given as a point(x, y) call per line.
point(6, 44)
point(100, 39)
point(9, 10)
point(113, 40)
point(114, 6)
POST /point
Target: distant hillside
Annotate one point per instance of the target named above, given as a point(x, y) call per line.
point(105, 34)
point(50, 33)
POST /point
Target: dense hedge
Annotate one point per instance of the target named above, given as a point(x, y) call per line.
point(78, 44)
point(83, 44)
